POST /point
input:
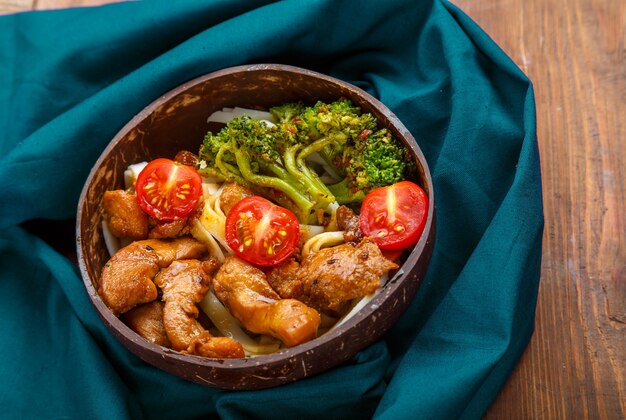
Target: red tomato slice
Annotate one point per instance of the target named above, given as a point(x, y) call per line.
point(261, 232)
point(394, 216)
point(168, 190)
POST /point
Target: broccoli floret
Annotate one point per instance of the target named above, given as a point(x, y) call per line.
point(264, 157)
point(356, 150)
point(274, 160)
point(287, 112)
point(215, 149)
point(376, 159)
point(340, 122)
point(337, 119)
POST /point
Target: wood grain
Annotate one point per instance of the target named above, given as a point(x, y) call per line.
point(13, 6)
point(575, 54)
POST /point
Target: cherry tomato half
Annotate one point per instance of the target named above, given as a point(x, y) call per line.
point(394, 216)
point(261, 232)
point(168, 190)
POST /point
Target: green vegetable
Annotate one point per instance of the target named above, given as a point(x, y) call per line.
point(287, 112)
point(341, 122)
point(275, 160)
point(377, 159)
point(268, 159)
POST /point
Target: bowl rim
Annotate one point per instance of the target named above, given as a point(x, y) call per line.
point(117, 327)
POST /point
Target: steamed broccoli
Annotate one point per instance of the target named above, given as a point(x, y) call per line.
point(376, 159)
point(285, 113)
point(264, 157)
point(339, 122)
point(362, 155)
point(277, 160)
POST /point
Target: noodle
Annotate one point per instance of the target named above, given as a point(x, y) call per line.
point(322, 240)
point(229, 327)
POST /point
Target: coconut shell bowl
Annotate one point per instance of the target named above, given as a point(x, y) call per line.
point(178, 121)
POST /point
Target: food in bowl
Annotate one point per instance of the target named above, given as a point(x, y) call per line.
point(177, 120)
point(281, 226)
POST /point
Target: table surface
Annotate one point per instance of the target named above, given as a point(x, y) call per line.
point(575, 54)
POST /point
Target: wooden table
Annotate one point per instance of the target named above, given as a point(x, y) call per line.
point(575, 54)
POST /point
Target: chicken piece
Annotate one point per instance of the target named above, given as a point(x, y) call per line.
point(244, 290)
point(147, 321)
point(328, 279)
point(284, 280)
point(207, 345)
point(186, 158)
point(171, 229)
point(179, 249)
point(333, 276)
point(175, 228)
point(348, 221)
point(124, 216)
point(126, 279)
point(232, 193)
point(185, 283)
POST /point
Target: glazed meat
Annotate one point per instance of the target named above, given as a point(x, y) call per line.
point(348, 221)
point(284, 280)
point(175, 228)
point(186, 158)
point(184, 284)
point(172, 229)
point(244, 290)
point(179, 249)
point(217, 347)
point(333, 276)
point(232, 193)
point(127, 220)
point(126, 279)
point(147, 321)
point(124, 216)
point(328, 279)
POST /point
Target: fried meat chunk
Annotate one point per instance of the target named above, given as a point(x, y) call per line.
point(284, 280)
point(232, 193)
point(126, 279)
point(159, 229)
point(185, 283)
point(329, 279)
point(348, 221)
point(173, 229)
point(207, 345)
point(186, 158)
point(147, 321)
point(169, 251)
point(124, 216)
point(244, 290)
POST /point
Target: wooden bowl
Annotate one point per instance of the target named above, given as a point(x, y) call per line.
point(178, 120)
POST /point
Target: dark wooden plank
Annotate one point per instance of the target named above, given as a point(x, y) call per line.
point(574, 53)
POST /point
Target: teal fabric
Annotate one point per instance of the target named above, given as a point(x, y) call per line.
point(70, 79)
